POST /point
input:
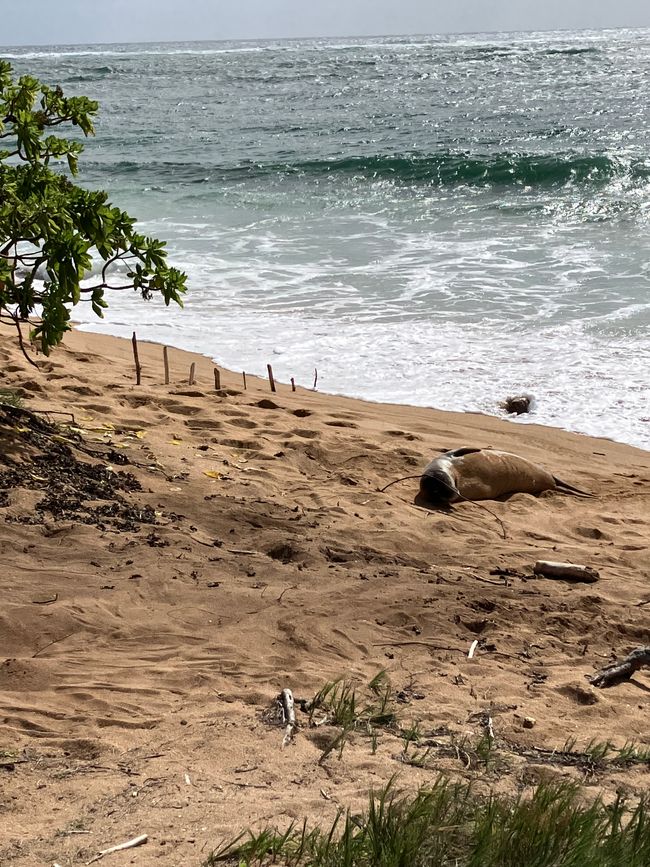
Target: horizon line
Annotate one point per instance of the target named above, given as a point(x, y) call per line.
point(242, 39)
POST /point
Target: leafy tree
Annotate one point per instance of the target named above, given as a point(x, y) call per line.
point(51, 229)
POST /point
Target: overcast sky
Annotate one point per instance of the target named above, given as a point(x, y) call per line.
point(45, 22)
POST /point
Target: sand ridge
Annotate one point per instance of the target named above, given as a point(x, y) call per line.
point(134, 659)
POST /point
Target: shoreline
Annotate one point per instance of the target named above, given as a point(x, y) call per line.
point(517, 422)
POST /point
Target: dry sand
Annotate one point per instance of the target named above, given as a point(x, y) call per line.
point(136, 663)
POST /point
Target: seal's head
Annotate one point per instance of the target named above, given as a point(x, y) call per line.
point(437, 487)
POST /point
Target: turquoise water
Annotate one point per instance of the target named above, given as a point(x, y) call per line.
point(434, 220)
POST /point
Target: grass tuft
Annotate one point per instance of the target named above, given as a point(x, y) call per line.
point(447, 826)
point(10, 397)
point(338, 703)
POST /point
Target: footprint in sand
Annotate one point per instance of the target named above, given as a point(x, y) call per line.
point(350, 424)
point(188, 393)
point(243, 422)
point(135, 401)
point(250, 445)
point(202, 424)
point(403, 435)
point(179, 408)
point(591, 533)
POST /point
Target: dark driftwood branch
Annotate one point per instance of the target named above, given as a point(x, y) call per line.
point(617, 672)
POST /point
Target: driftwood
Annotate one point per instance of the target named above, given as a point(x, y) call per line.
point(566, 571)
point(288, 715)
point(621, 670)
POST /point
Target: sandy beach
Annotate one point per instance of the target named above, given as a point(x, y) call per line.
point(145, 632)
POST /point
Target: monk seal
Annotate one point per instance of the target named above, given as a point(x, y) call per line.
point(485, 474)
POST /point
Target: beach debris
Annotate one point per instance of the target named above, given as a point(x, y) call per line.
point(244, 378)
point(136, 358)
point(166, 364)
point(529, 722)
point(192, 376)
point(566, 571)
point(517, 404)
point(472, 649)
point(623, 669)
point(288, 716)
point(217, 379)
point(315, 378)
point(130, 844)
point(271, 379)
point(293, 384)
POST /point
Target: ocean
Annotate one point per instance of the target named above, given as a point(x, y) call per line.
point(435, 220)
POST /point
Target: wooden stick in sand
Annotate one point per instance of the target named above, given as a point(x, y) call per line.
point(136, 358)
point(271, 380)
point(293, 384)
point(315, 378)
point(289, 716)
point(130, 844)
point(217, 379)
point(166, 364)
point(192, 372)
point(244, 377)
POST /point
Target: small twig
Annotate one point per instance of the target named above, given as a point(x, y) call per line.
point(217, 379)
point(293, 384)
point(56, 641)
point(215, 544)
point(54, 412)
point(315, 378)
point(421, 643)
point(192, 379)
point(504, 583)
point(244, 378)
point(403, 479)
point(45, 601)
point(293, 587)
point(130, 844)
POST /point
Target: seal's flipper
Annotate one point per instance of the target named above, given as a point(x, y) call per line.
point(566, 488)
point(464, 450)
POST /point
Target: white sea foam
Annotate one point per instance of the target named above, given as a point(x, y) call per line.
point(583, 382)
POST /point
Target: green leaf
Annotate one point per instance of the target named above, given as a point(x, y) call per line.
point(59, 225)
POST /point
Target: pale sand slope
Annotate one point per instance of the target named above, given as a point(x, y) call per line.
point(155, 674)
